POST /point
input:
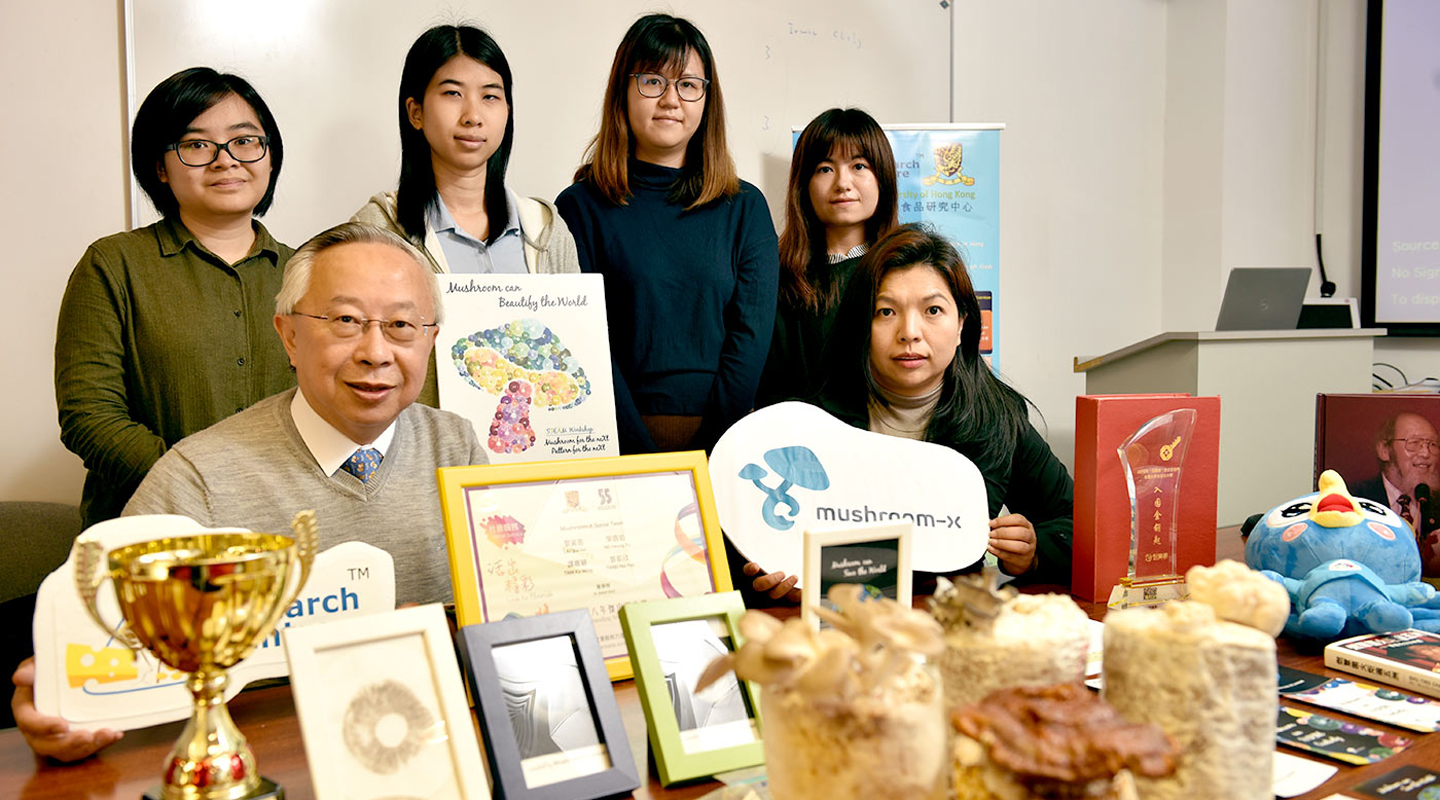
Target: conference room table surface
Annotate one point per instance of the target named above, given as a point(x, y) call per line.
point(267, 716)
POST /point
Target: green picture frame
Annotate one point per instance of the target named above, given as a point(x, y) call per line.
point(714, 738)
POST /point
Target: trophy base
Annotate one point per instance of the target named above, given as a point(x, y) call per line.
point(267, 790)
point(1133, 592)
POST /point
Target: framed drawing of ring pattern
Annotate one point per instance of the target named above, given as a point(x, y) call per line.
point(594, 534)
point(382, 707)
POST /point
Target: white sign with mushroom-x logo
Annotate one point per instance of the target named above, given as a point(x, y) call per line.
point(792, 467)
point(526, 358)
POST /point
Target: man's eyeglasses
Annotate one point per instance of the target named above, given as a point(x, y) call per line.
point(202, 152)
point(1416, 445)
point(651, 84)
point(400, 330)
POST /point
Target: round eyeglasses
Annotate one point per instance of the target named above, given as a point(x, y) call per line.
point(202, 152)
point(653, 84)
point(1416, 445)
point(400, 330)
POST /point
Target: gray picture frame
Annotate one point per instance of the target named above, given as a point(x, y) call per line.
point(503, 749)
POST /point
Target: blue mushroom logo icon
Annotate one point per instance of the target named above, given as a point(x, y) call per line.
point(796, 466)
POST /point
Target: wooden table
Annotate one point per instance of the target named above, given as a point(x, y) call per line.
point(267, 717)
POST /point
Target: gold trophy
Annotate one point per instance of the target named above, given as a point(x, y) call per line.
point(201, 604)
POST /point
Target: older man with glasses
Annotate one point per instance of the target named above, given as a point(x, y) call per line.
point(358, 312)
point(1407, 450)
point(1407, 453)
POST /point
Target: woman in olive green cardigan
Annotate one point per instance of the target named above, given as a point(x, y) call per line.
point(167, 329)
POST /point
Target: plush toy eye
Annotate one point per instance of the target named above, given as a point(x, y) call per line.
point(1373, 508)
point(1280, 516)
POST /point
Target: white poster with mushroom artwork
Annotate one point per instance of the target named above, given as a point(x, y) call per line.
point(526, 358)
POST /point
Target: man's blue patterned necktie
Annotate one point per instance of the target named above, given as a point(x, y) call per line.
point(363, 463)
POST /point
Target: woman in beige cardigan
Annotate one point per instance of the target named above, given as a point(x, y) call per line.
point(456, 131)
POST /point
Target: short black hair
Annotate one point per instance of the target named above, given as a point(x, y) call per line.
point(170, 108)
point(416, 194)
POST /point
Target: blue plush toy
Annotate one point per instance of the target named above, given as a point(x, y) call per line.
point(1351, 566)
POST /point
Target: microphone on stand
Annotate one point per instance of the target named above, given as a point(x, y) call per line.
point(1424, 528)
point(1424, 512)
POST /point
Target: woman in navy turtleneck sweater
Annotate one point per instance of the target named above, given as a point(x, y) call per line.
point(687, 249)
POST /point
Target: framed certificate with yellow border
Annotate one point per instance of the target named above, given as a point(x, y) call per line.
point(527, 539)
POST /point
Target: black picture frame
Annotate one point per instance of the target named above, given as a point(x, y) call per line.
point(478, 644)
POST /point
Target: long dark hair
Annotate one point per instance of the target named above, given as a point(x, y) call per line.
point(976, 413)
point(852, 133)
point(417, 195)
point(661, 43)
point(170, 108)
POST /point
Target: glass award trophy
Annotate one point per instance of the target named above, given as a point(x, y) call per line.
point(1154, 459)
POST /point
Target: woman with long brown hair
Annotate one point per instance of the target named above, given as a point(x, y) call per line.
point(687, 248)
point(905, 361)
point(842, 199)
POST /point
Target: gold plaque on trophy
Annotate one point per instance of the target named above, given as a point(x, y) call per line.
point(201, 604)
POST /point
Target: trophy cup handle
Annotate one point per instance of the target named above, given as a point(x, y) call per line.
point(88, 578)
point(307, 541)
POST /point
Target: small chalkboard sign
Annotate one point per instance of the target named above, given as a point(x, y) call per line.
point(876, 557)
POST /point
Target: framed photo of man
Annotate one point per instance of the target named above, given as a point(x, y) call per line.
point(1387, 449)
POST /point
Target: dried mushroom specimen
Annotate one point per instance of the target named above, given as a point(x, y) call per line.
point(869, 643)
point(971, 601)
point(1062, 735)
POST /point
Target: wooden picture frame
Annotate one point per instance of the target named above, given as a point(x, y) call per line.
point(530, 539)
point(869, 547)
point(529, 675)
point(382, 707)
point(692, 735)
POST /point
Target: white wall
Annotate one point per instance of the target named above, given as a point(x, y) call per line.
point(1081, 90)
point(1194, 152)
point(1268, 167)
point(1150, 146)
point(1344, 143)
point(64, 157)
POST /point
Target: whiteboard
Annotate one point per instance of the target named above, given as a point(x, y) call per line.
point(330, 71)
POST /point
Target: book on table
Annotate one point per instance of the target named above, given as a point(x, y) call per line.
point(1409, 659)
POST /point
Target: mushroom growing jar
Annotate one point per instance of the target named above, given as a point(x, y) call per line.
point(851, 712)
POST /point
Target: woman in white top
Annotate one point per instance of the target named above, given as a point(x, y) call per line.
point(456, 131)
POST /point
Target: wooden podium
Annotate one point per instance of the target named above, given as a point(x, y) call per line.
point(1266, 382)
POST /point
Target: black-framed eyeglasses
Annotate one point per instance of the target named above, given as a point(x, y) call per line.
point(202, 152)
point(653, 84)
point(1416, 445)
point(400, 330)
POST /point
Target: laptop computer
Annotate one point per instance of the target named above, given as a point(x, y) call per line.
point(1263, 299)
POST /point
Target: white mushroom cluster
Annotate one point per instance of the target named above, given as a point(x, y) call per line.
point(870, 643)
point(1240, 594)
